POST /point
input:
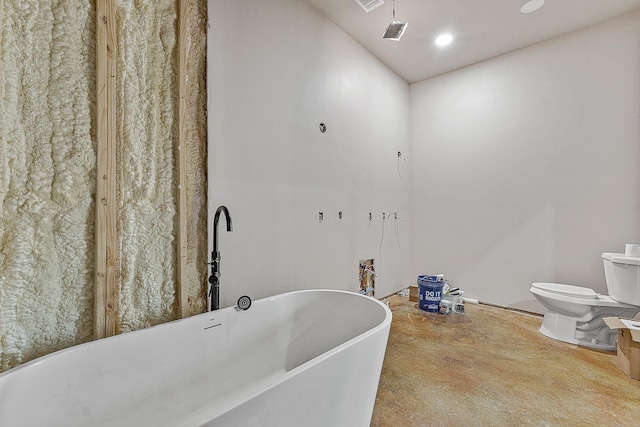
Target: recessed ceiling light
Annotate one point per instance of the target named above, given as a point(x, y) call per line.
point(444, 40)
point(532, 6)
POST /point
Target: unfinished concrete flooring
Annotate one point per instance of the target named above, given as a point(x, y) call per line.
point(491, 367)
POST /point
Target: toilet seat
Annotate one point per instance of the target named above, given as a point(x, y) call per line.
point(568, 290)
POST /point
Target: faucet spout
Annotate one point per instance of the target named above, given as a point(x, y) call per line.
point(216, 220)
point(214, 279)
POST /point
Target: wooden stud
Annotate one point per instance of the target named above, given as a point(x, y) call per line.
point(2, 89)
point(106, 285)
point(3, 143)
point(183, 52)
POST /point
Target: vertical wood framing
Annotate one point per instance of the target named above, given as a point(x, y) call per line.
point(183, 48)
point(1, 61)
point(106, 292)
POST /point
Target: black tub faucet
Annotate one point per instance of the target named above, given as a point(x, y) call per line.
point(214, 279)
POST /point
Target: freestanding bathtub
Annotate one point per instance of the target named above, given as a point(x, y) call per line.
point(306, 358)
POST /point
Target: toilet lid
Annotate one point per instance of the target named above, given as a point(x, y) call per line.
point(568, 290)
point(621, 259)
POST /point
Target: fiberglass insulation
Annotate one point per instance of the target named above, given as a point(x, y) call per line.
point(47, 176)
point(47, 169)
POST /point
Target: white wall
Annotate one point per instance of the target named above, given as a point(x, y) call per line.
point(526, 167)
point(276, 70)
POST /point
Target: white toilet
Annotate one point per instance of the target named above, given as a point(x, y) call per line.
point(574, 314)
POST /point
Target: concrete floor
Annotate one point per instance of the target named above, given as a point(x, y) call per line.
point(491, 367)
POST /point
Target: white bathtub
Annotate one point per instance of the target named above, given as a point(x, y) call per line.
point(307, 358)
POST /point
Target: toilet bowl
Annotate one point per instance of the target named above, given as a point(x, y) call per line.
point(574, 314)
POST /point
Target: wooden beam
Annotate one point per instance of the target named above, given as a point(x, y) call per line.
point(3, 143)
point(2, 89)
point(183, 52)
point(106, 285)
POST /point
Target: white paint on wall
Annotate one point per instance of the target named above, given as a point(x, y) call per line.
point(525, 167)
point(276, 70)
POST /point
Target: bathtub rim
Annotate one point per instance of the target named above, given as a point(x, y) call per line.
point(386, 321)
point(377, 335)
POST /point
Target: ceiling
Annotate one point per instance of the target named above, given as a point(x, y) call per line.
point(482, 29)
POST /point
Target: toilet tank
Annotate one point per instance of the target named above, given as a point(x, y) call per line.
point(623, 277)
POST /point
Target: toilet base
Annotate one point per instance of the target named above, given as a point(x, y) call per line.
point(591, 332)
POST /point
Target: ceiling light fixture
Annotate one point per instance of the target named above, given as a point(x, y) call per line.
point(396, 29)
point(532, 6)
point(444, 40)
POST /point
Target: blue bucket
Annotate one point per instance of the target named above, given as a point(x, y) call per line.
point(430, 293)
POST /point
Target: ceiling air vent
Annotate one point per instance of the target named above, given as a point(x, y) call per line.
point(369, 5)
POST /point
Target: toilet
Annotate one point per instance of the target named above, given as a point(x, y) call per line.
point(574, 314)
